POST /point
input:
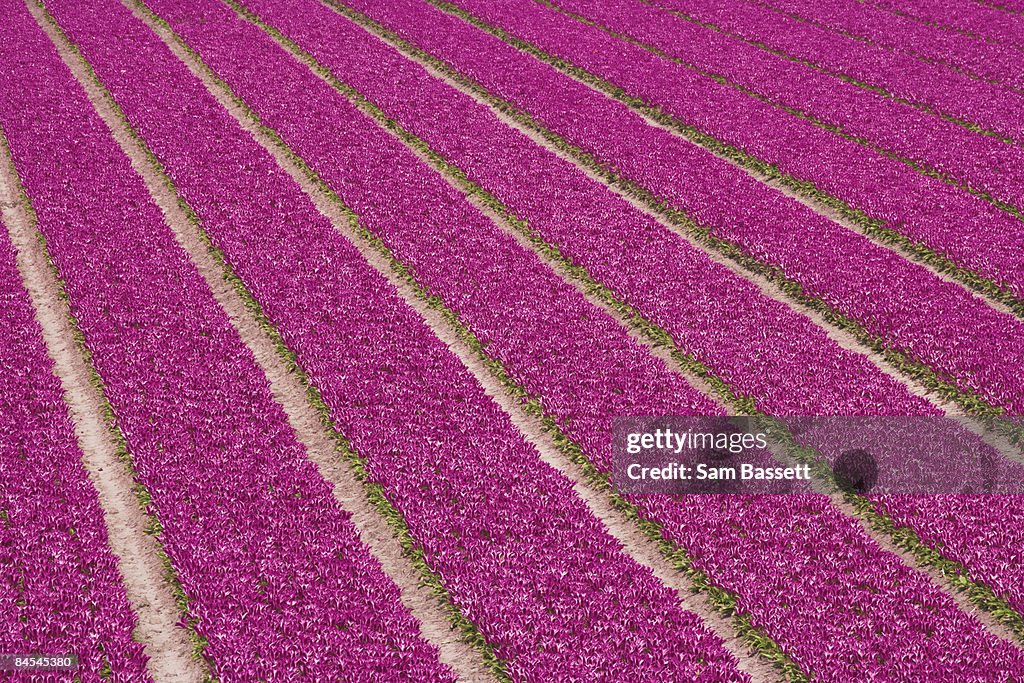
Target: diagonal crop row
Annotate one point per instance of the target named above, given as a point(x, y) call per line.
point(928, 213)
point(977, 58)
point(60, 589)
point(582, 223)
point(462, 478)
point(724, 601)
point(491, 151)
point(981, 106)
point(986, 557)
point(436, 249)
point(993, 24)
point(641, 269)
point(142, 496)
point(375, 493)
point(1014, 7)
point(647, 162)
point(254, 536)
point(978, 164)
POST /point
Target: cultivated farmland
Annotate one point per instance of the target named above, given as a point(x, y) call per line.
point(320, 320)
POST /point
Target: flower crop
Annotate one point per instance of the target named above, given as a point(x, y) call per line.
point(899, 33)
point(857, 172)
point(929, 85)
point(259, 545)
point(797, 370)
point(971, 18)
point(272, 578)
point(585, 370)
point(933, 321)
point(60, 589)
point(926, 210)
point(515, 548)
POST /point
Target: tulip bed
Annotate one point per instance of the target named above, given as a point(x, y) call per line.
point(967, 530)
point(585, 371)
point(547, 586)
point(799, 371)
point(60, 590)
point(972, 18)
point(256, 540)
point(849, 272)
point(981, 59)
point(1015, 7)
point(926, 210)
point(273, 580)
point(932, 86)
point(842, 168)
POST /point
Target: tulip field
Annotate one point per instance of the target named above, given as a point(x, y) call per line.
point(342, 299)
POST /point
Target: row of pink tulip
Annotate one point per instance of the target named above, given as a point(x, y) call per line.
point(60, 589)
point(516, 550)
point(581, 367)
point(255, 537)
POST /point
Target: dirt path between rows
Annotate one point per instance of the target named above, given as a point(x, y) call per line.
point(635, 543)
point(165, 643)
point(289, 392)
